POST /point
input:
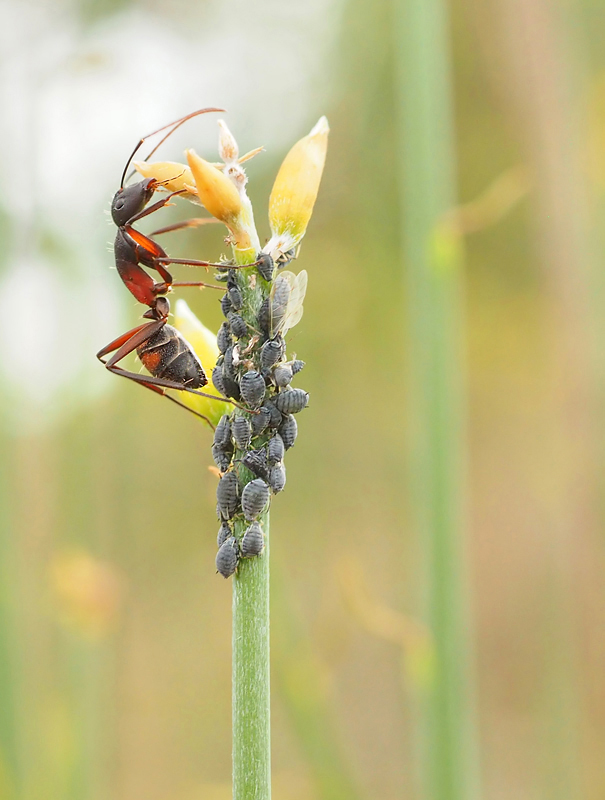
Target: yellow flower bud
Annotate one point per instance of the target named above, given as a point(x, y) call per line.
point(216, 192)
point(173, 175)
point(296, 186)
point(204, 344)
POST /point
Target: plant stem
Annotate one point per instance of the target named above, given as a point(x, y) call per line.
point(433, 252)
point(251, 690)
point(251, 677)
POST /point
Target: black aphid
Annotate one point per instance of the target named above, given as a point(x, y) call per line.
point(279, 304)
point(282, 375)
point(270, 353)
point(254, 498)
point(291, 401)
point(224, 532)
point(228, 369)
point(226, 305)
point(223, 337)
point(241, 432)
point(222, 456)
point(227, 495)
point(265, 266)
point(235, 295)
point(217, 380)
point(230, 385)
point(238, 325)
point(275, 450)
point(260, 421)
point(264, 316)
point(256, 462)
point(252, 388)
point(277, 478)
point(253, 541)
point(222, 433)
point(276, 417)
point(288, 431)
point(297, 365)
point(227, 557)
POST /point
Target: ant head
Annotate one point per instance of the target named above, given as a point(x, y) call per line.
point(129, 200)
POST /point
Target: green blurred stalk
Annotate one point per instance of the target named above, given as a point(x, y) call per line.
point(433, 255)
point(251, 687)
point(251, 679)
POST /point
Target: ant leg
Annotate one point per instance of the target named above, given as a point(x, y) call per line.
point(161, 392)
point(129, 342)
point(192, 263)
point(120, 341)
point(161, 382)
point(154, 207)
point(201, 285)
point(194, 222)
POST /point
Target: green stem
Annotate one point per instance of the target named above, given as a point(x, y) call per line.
point(434, 257)
point(251, 689)
point(251, 684)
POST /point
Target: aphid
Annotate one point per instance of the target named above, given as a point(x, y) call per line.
point(238, 325)
point(288, 431)
point(291, 401)
point(282, 375)
point(256, 462)
point(275, 450)
point(235, 295)
point(230, 385)
point(226, 305)
point(228, 363)
point(242, 432)
point(222, 456)
point(227, 495)
point(297, 365)
point(222, 434)
point(276, 415)
point(277, 478)
point(264, 316)
point(260, 421)
point(253, 541)
point(270, 353)
point(252, 388)
point(264, 265)
point(223, 337)
point(287, 296)
point(217, 380)
point(254, 498)
point(227, 557)
point(224, 532)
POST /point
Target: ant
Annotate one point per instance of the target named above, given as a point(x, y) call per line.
point(164, 352)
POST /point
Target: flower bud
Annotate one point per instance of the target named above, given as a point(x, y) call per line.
point(227, 146)
point(174, 176)
point(216, 192)
point(296, 186)
point(204, 344)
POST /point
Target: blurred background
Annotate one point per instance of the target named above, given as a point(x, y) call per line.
point(114, 630)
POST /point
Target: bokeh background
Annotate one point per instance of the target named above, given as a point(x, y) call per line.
point(114, 630)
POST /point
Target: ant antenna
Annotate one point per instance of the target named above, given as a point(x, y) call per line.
point(173, 125)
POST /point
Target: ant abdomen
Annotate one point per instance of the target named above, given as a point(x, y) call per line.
point(166, 354)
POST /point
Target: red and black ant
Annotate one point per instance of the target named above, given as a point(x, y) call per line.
point(164, 352)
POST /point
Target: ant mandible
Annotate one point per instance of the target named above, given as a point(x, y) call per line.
point(164, 352)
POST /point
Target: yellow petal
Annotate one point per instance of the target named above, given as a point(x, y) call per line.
point(173, 175)
point(297, 183)
point(203, 342)
point(216, 192)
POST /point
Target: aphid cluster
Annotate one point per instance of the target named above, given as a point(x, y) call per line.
point(253, 370)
